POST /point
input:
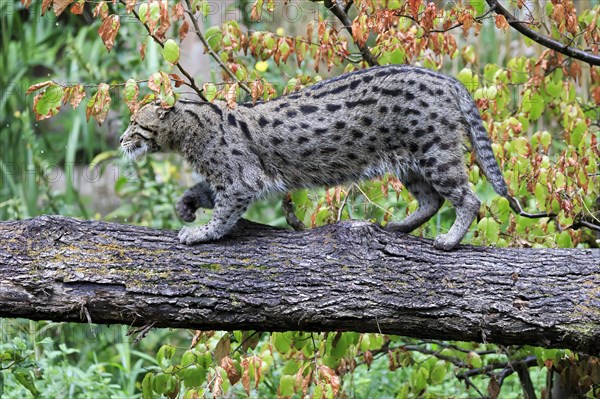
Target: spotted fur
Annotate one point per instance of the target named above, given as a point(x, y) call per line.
point(395, 119)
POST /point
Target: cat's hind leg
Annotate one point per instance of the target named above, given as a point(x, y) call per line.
point(429, 200)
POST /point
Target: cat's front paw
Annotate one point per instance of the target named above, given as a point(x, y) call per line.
point(194, 235)
point(185, 209)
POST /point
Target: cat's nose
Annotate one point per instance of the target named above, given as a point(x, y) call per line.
point(121, 140)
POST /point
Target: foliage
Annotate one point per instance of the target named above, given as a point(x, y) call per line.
point(540, 108)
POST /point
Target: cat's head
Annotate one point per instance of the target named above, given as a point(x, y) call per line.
point(148, 131)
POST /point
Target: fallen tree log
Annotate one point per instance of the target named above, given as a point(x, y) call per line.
point(346, 276)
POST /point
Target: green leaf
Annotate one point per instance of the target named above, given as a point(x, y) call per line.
point(48, 103)
point(468, 79)
point(438, 372)
point(418, 379)
point(214, 37)
point(131, 90)
point(478, 6)
point(164, 355)
point(188, 358)
point(398, 56)
point(564, 240)
point(142, 11)
point(282, 342)
point(291, 367)
point(474, 360)
point(154, 11)
point(210, 91)
point(286, 385)
point(340, 348)
point(147, 386)
point(171, 51)
point(161, 383)
point(541, 193)
point(194, 376)
point(25, 377)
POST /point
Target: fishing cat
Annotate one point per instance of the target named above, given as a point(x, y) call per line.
point(405, 120)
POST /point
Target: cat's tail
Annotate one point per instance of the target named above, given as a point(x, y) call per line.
point(484, 154)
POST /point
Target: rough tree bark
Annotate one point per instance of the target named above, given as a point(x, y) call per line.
point(347, 276)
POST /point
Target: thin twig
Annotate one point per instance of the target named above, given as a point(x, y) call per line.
point(210, 51)
point(338, 11)
point(545, 41)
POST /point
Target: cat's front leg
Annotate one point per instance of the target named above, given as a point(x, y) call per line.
point(227, 211)
point(200, 195)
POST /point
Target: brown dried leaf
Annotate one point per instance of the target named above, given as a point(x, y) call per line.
point(558, 14)
point(331, 378)
point(77, 8)
point(129, 5)
point(218, 380)
point(257, 90)
point(60, 5)
point(501, 22)
point(246, 375)
point(256, 12)
point(99, 104)
point(26, 3)
point(230, 96)
point(575, 70)
point(183, 30)
point(179, 12)
point(306, 381)
point(101, 10)
point(164, 20)
point(232, 372)
point(143, 51)
point(38, 86)
point(178, 80)
point(429, 18)
point(257, 370)
point(368, 359)
point(108, 30)
point(596, 95)
point(493, 388)
point(413, 7)
point(76, 96)
point(467, 20)
point(45, 5)
point(223, 348)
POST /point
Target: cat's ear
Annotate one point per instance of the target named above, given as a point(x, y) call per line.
point(162, 112)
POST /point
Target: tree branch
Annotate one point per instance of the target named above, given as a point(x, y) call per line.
point(191, 81)
point(545, 41)
point(338, 11)
point(346, 276)
point(211, 52)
